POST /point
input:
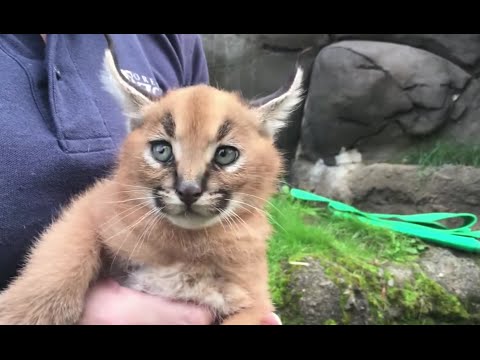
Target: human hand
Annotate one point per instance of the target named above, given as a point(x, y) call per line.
point(108, 303)
point(271, 319)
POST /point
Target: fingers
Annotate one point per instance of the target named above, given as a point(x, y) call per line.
point(109, 303)
point(149, 309)
point(190, 314)
point(176, 313)
point(271, 319)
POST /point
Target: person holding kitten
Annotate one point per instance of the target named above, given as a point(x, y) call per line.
point(60, 131)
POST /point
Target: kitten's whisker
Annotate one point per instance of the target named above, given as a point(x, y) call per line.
point(243, 207)
point(262, 199)
point(228, 220)
point(129, 185)
point(147, 227)
point(139, 191)
point(129, 200)
point(259, 210)
point(157, 220)
point(247, 227)
point(121, 245)
point(220, 218)
point(224, 215)
point(135, 208)
point(130, 228)
point(243, 204)
point(229, 217)
point(206, 232)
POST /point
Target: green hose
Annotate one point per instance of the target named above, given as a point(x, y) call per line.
point(424, 226)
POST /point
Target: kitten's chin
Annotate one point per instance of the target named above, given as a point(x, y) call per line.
point(192, 221)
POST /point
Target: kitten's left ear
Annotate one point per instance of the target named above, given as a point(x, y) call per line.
point(275, 109)
point(130, 97)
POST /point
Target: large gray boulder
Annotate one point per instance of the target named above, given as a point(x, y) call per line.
point(377, 97)
point(461, 49)
point(464, 126)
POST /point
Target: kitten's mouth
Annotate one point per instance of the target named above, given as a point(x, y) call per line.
point(189, 212)
point(190, 219)
point(198, 215)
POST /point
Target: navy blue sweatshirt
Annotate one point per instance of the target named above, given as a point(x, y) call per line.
point(60, 130)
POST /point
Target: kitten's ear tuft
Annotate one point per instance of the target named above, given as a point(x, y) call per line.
point(131, 98)
point(275, 109)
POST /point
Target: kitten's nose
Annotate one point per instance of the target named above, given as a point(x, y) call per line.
point(188, 191)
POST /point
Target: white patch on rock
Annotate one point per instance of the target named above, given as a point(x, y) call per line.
point(333, 181)
point(348, 157)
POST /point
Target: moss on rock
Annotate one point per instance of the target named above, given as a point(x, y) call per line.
point(286, 299)
point(418, 300)
point(359, 260)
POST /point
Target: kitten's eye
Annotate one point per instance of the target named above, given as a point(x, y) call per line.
point(162, 151)
point(226, 155)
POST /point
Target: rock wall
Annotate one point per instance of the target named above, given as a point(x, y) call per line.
point(376, 93)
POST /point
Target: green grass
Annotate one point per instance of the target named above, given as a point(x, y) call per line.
point(304, 230)
point(443, 153)
point(352, 254)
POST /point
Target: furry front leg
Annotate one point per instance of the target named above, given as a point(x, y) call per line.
point(249, 316)
point(250, 294)
point(52, 286)
point(252, 314)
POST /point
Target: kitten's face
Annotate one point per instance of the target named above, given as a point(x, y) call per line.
point(201, 155)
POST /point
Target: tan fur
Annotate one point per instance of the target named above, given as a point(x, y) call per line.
point(114, 229)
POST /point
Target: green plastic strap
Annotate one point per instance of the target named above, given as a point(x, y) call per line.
point(425, 226)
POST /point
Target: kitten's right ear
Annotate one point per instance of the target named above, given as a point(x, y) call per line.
point(275, 110)
point(130, 97)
